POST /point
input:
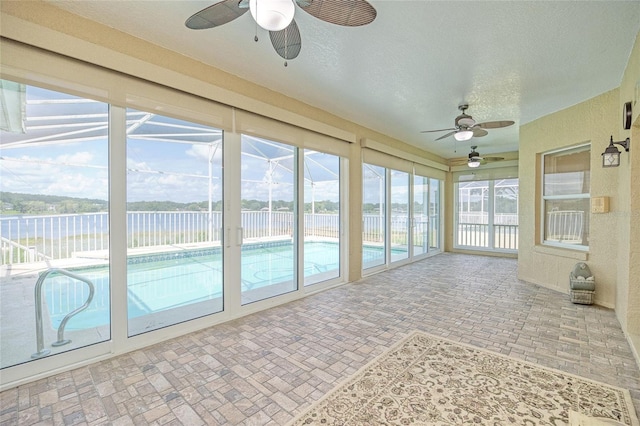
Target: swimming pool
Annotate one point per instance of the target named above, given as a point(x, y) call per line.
point(173, 280)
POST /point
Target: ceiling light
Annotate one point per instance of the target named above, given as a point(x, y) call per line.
point(272, 15)
point(473, 162)
point(463, 135)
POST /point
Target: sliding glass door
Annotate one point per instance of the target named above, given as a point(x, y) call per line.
point(322, 217)
point(400, 222)
point(374, 215)
point(54, 229)
point(268, 192)
point(174, 221)
point(420, 215)
point(401, 216)
point(434, 214)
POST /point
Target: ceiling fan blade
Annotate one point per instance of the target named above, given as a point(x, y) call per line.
point(215, 15)
point(494, 124)
point(492, 159)
point(447, 135)
point(348, 13)
point(439, 130)
point(287, 42)
point(458, 162)
point(478, 132)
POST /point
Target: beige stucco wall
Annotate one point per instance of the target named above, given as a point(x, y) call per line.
point(614, 245)
point(592, 122)
point(628, 256)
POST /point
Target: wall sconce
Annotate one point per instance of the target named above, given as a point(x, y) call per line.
point(611, 155)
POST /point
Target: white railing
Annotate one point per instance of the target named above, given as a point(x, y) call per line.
point(483, 218)
point(373, 228)
point(324, 225)
point(34, 238)
point(147, 229)
point(267, 224)
point(565, 226)
point(26, 239)
point(505, 237)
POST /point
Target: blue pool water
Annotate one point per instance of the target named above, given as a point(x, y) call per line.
point(165, 281)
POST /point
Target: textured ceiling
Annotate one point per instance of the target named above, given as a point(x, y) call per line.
point(410, 68)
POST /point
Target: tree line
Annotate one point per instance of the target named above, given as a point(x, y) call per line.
point(34, 204)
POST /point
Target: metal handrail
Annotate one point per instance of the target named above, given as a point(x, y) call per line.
point(41, 351)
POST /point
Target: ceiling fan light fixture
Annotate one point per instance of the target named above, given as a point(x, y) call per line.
point(272, 15)
point(473, 163)
point(463, 135)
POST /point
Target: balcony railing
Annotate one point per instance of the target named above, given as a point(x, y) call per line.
point(565, 226)
point(505, 237)
point(373, 226)
point(26, 239)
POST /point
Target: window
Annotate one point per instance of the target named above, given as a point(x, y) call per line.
point(565, 201)
point(487, 214)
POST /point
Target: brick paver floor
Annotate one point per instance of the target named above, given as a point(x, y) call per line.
point(267, 367)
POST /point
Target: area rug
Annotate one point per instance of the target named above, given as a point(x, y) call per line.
point(428, 380)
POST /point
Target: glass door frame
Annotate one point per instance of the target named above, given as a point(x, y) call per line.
point(388, 207)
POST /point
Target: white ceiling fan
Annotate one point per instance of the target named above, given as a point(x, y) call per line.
point(466, 127)
point(277, 17)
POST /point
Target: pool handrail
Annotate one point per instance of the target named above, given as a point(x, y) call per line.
point(41, 352)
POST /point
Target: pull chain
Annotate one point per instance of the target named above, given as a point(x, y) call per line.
point(255, 38)
point(286, 45)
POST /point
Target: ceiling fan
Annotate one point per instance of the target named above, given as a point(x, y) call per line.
point(276, 16)
point(474, 159)
point(466, 127)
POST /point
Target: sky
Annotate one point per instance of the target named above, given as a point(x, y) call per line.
point(65, 151)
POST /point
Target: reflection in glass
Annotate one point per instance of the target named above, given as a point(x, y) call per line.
point(174, 221)
point(321, 217)
point(373, 215)
point(567, 221)
point(567, 180)
point(55, 204)
point(567, 172)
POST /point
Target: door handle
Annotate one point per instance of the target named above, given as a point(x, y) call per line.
point(239, 236)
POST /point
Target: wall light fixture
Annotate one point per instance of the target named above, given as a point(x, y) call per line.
point(611, 155)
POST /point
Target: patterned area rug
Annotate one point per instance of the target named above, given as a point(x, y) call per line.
point(427, 380)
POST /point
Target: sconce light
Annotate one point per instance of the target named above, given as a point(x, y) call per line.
point(611, 155)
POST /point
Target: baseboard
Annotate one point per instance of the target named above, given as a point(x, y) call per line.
point(566, 291)
point(634, 343)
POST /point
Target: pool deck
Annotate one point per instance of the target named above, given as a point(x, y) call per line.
point(17, 299)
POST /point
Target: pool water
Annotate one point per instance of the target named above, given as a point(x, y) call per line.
point(166, 281)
